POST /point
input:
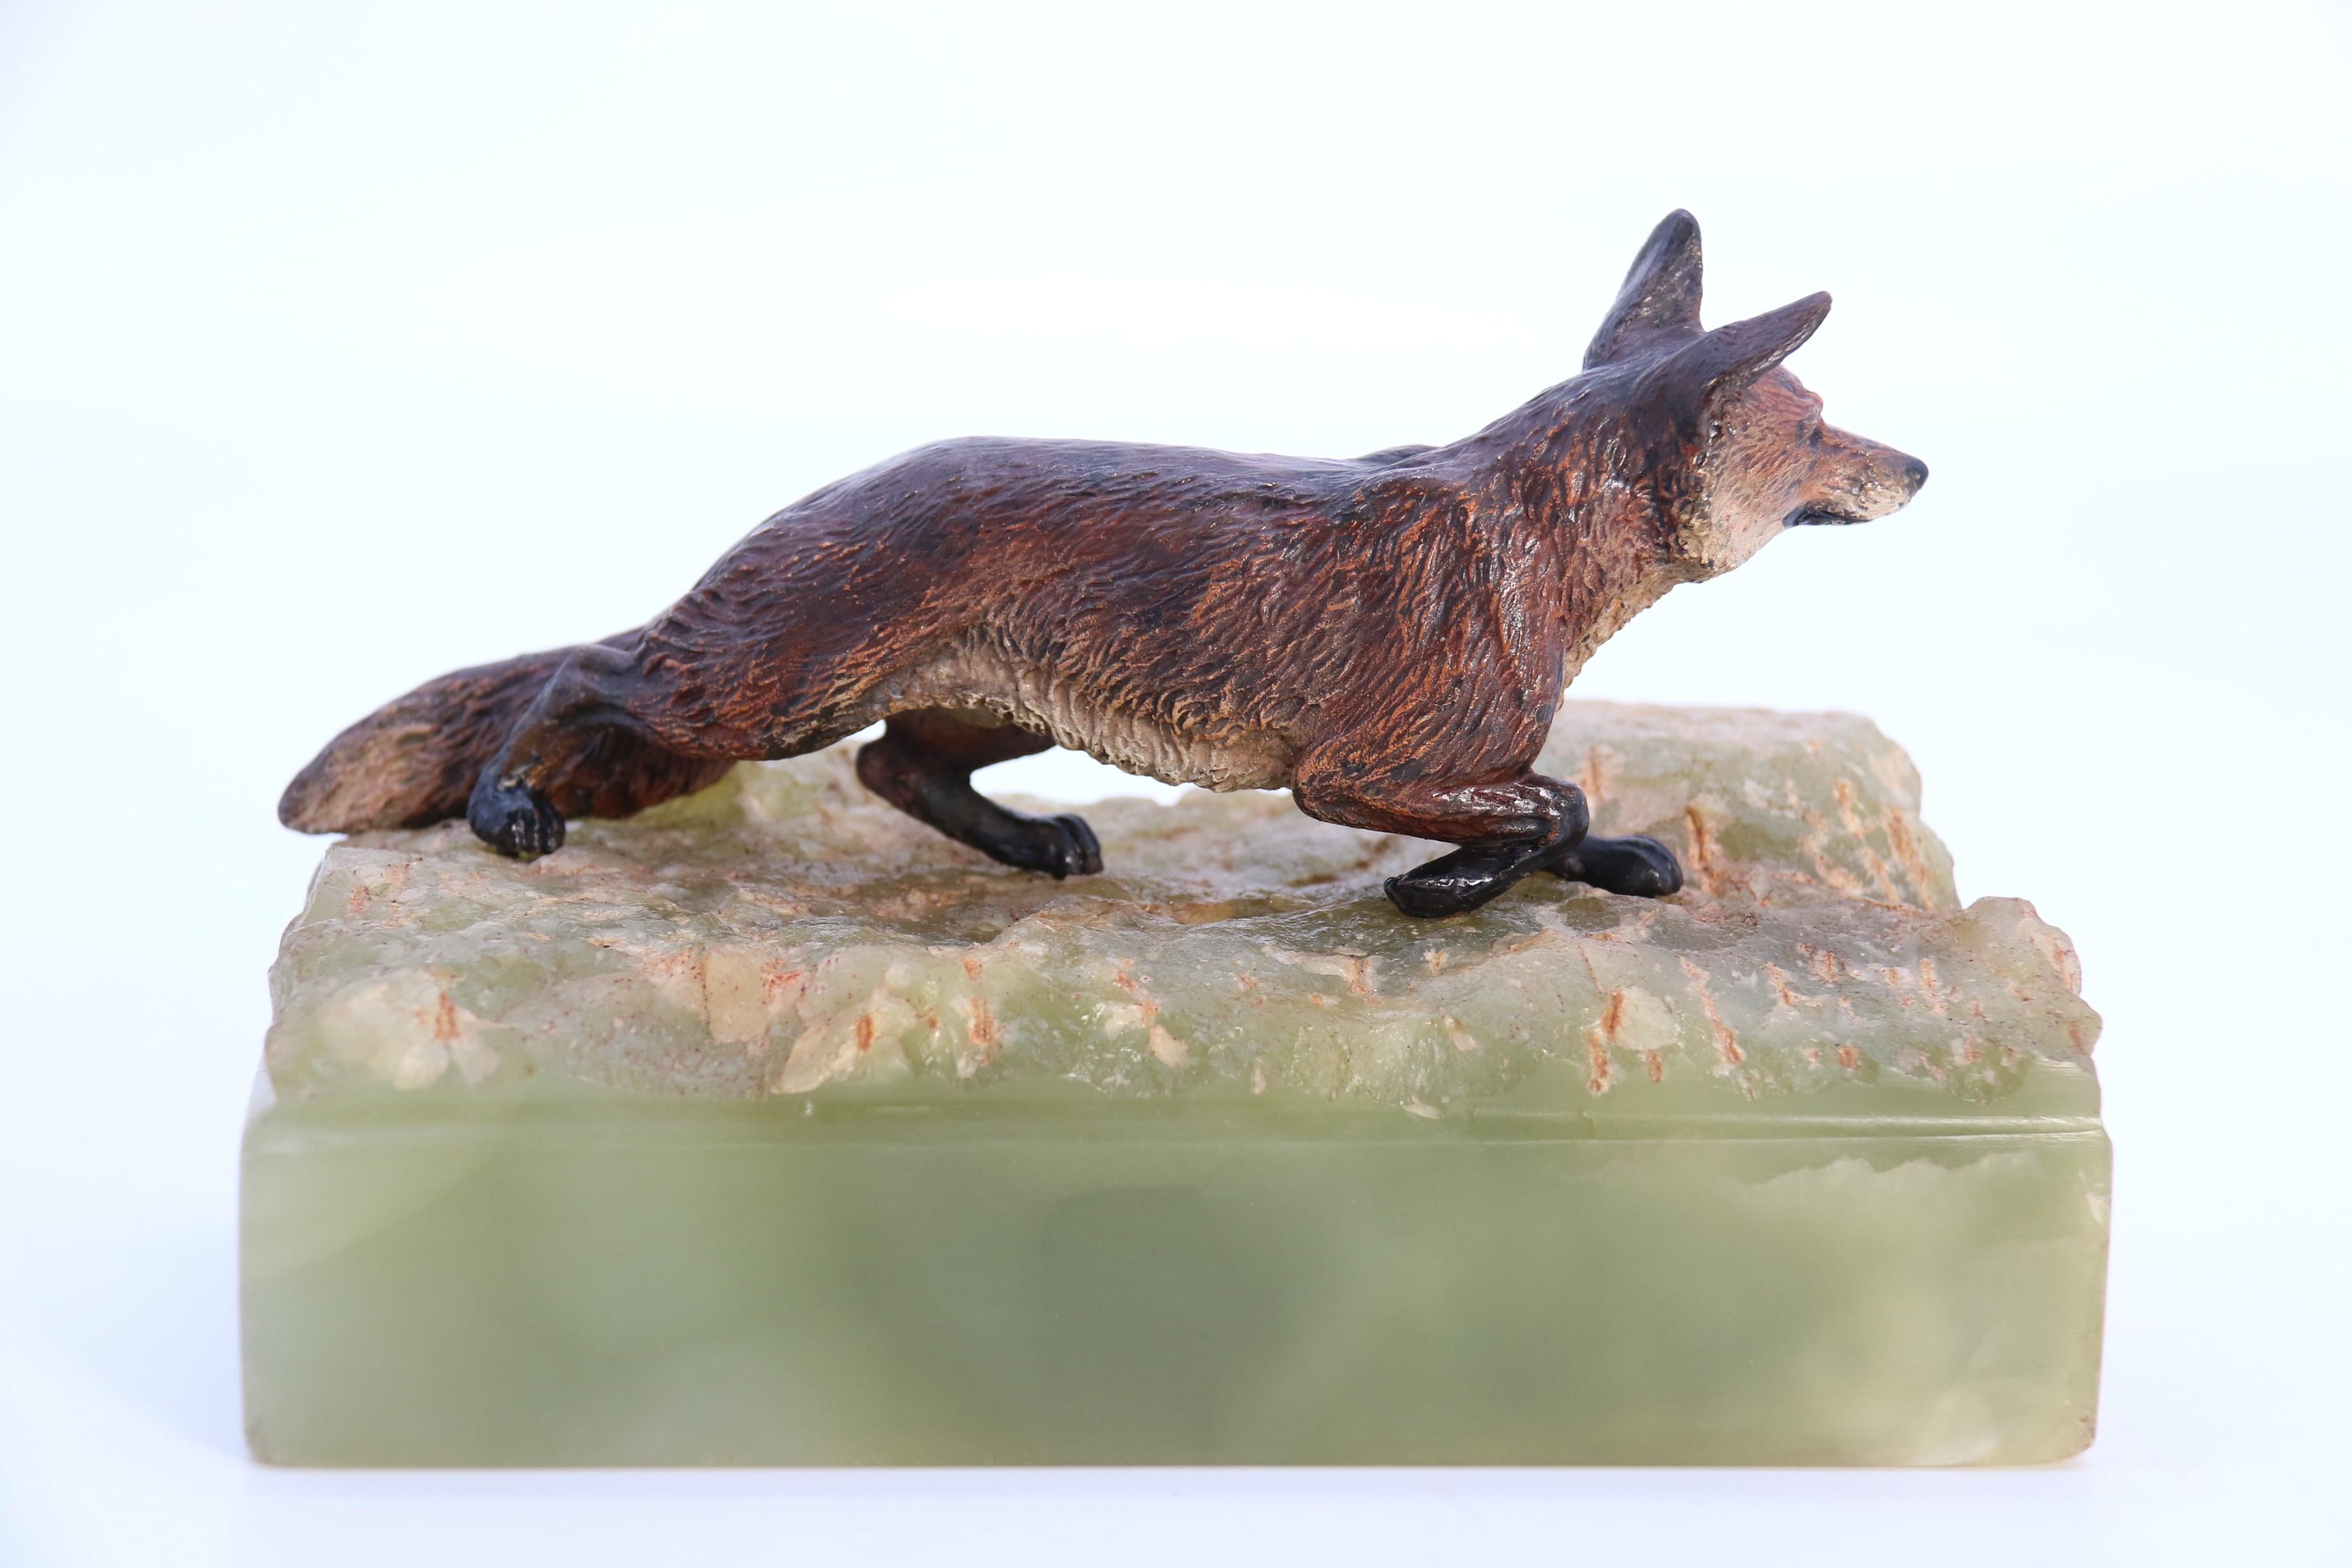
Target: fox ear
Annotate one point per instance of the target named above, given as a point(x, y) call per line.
point(1728, 360)
point(1661, 291)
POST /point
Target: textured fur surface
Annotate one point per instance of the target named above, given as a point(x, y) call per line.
point(1385, 636)
point(413, 761)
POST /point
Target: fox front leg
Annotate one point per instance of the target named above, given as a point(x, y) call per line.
point(1505, 829)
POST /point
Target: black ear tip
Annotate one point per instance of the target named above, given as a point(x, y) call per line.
point(1660, 294)
point(1803, 317)
point(1677, 227)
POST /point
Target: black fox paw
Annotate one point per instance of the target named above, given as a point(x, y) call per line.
point(1470, 875)
point(515, 819)
point(1434, 896)
point(1641, 867)
point(1081, 852)
point(1058, 845)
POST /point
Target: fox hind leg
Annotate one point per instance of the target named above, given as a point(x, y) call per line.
point(923, 765)
point(590, 744)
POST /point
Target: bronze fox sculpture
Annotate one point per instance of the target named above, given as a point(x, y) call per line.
point(1386, 636)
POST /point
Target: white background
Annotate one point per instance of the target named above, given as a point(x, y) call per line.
point(341, 344)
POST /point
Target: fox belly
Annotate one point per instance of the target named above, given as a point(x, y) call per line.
point(1043, 701)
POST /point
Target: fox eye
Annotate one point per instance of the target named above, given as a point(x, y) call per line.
point(1811, 431)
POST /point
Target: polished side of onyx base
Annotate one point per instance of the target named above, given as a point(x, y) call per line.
point(724, 1137)
point(714, 1284)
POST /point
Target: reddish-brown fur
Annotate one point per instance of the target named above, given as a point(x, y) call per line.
point(1386, 635)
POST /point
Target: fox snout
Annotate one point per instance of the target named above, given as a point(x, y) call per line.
point(1858, 482)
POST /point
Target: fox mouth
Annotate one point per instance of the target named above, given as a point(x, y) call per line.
point(1808, 516)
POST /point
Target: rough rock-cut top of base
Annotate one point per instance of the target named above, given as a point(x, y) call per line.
point(785, 933)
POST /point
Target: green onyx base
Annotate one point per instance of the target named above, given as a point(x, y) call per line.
point(707, 1283)
point(769, 1127)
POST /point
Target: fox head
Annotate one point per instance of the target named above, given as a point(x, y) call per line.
point(1749, 454)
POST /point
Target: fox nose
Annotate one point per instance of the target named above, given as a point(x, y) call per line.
point(1916, 472)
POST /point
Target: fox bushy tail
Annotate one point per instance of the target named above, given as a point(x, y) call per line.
point(413, 761)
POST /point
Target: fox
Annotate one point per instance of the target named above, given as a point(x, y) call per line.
point(1385, 637)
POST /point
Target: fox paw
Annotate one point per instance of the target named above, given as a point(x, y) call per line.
point(1058, 845)
point(1434, 896)
point(1457, 883)
point(1641, 867)
point(1081, 852)
point(515, 819)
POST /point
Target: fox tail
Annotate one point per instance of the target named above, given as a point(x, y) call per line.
point(413, 761)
